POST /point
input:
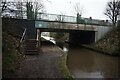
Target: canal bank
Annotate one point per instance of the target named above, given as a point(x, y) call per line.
point(62, 64)
point(108, 45)
point(101, 51)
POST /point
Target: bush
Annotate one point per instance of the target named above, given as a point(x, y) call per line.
point(10, 54)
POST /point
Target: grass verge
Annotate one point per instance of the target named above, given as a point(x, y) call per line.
point(63, 67)
point(108, 45)
point(10, 55)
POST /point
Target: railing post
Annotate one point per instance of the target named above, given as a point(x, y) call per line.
point(21, 43)
point(91, 23)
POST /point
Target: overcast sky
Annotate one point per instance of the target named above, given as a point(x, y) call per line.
point(93, 8)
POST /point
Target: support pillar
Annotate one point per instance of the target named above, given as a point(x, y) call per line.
point(38, 38)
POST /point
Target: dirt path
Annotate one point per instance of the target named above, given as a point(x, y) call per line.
point(43, 65)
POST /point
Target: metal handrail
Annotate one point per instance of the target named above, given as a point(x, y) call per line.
point(23, 35)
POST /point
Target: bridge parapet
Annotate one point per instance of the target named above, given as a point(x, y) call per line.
point(67, 26)
point(71, 19)
point(56, 17)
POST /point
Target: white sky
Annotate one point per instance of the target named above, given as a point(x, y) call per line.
point(93, 8)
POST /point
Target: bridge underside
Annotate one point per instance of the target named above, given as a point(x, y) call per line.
point(75, 36)
point(58, 30)
point(82, 37)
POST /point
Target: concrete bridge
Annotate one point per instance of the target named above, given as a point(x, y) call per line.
point(78, 33)
point(84, 30)
point(85, 33)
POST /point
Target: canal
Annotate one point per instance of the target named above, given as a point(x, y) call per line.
point(84, 63)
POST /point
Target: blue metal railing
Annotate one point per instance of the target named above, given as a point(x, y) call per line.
point(22, 14)
point(23, 36)
point(62, 18)
point(71, 19)
point(55, 17)
point(22, 41)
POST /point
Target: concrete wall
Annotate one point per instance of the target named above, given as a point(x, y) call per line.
point(101, 31)
point(80, 36)
point(64, 25)
point(88, 37)
point(118, 23)
point(8, 23)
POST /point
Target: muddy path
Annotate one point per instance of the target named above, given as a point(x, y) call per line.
point(43, 65)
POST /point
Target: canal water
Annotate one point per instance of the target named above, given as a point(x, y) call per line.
point(84, 63)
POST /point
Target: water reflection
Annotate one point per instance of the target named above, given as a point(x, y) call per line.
point(61, 44)
point(49, 38)
point(65, 49)
point(81, 74)
point(84, 63)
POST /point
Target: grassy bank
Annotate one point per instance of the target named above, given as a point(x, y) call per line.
point(109, 44)
point(10, 55)
point(63, 67)
point(62, 62)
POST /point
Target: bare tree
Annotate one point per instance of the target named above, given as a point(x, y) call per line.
point(21, 8)
point(78, 8)
point(38, 6)
point(113, 10)
point(19, 12)
point(14, 8)
point(30, 13)
point(3, 5)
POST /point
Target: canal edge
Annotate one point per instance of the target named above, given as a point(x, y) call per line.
point(100, 51)
point(63, 65)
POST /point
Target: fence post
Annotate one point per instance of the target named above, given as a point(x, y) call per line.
point(21, 43)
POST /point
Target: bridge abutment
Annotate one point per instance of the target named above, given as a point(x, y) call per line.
point(38, 38)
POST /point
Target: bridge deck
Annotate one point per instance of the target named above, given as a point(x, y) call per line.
point(64, 25)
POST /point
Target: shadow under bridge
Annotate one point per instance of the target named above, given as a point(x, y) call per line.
point(78, 33)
